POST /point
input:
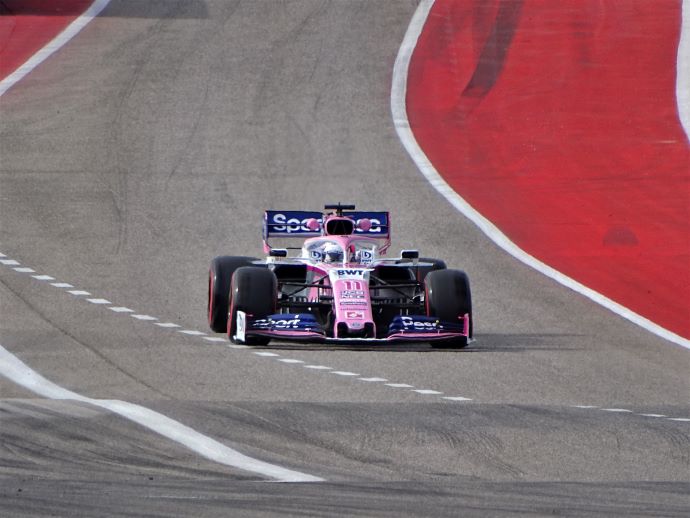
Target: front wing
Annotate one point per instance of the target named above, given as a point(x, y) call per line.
point(303, 327)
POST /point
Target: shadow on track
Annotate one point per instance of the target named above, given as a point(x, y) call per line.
point(485, 343)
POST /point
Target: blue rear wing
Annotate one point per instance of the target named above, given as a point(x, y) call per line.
point(293, 223)
point(290, 223)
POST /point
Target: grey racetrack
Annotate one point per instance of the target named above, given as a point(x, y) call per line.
point(151, 143)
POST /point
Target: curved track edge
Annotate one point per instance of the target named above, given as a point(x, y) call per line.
point(402, 127)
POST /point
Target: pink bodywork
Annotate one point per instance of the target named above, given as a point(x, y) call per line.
point(349, 284)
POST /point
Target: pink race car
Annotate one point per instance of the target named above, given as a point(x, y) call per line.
point(338, 288)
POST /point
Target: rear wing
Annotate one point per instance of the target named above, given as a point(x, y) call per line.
point(294, 223)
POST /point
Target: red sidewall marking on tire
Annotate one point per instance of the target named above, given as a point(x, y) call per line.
point(558, 122)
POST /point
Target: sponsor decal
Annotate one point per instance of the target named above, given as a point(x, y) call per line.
point(422, 325)
point(354, 314)
point(316, 255)
point(284, 223)
point(241, 328)
point(293, 323)
point(375, 226)
point(350, 273)
point(352, 294)
point(286, 322)
point(365, 256)
point(351, 303)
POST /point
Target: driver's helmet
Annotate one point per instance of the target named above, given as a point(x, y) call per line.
point(332, 253)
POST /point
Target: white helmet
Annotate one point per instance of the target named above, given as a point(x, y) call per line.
point(332, 253)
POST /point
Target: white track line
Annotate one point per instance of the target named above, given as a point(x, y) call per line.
point(61, 284)
point(273, 355)
point(17, 371)
point(683, 71)
point(78, 293)
point(402, 126)
point(52, 46)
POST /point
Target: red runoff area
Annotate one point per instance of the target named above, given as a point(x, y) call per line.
point(558, 122)
point(27, 25)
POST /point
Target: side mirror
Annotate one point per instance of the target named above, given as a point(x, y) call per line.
point(410, 254)
point(278, 252)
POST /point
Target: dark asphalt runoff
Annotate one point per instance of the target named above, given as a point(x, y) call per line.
point(151, 143)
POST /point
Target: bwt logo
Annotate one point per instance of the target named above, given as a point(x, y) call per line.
point(350, 273)
point(290, 225)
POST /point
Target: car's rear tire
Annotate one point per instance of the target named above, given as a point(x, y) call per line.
point(253, 291)
point(219, 277)
point(448, 296)
point(423, 271)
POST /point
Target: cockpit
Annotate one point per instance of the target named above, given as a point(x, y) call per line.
point(355, 251)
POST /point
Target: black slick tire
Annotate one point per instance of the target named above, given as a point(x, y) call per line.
point(447, 296)
point(423, 271)
point(219, 277)
point(253, 291)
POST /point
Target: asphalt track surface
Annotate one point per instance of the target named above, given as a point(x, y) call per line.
point(151, 143)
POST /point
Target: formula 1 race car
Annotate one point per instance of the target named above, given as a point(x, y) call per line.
point(339, 288)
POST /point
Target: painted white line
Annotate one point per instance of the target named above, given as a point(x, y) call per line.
point(43, 277)
point(456, 398)
point(56, 43)
point(290, 360)
point(61, 284)
point(584, 406)
point(215, 339)
point(17, 371)
point(619, 410)
point(681, 419)
point(318, 367)
point(167, 325)
point(23, 269)
point(79, 293)
point(402, 127)
point(238, 346)
point(99, 301)
point(265, 353)
point(2, 255)
point(344, 373)
point(373, 380)
point(147, 318)
point(652, 415)
point(120, 309)
point(399, 385)
point(427, 391)
point(9, 262)
point(191, 332)
point(683, 71)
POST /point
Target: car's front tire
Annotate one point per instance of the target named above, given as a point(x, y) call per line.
point(448, 296)
point(219, 277)
point(253, 291)
point(423, 271)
